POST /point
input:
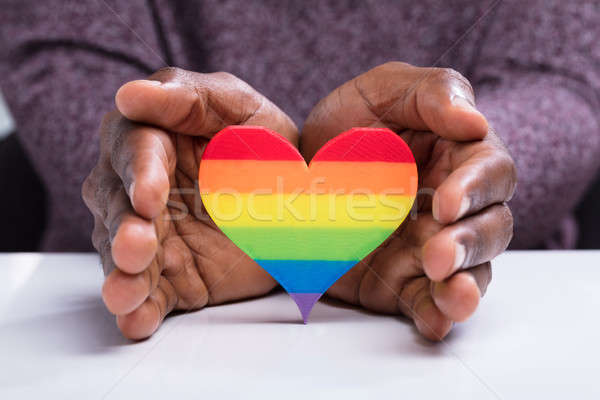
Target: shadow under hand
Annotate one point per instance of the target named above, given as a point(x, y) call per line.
point(87, 328)
point(425, 346)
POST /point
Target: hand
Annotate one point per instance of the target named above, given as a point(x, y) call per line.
point(436, 266)
point(159, 250)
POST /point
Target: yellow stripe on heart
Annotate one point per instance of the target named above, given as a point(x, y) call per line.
point(228, 208)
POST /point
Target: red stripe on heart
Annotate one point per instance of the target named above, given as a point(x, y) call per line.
point(371, 144)
point(252, 143)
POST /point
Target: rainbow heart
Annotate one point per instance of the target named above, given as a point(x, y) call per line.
point(307, 225)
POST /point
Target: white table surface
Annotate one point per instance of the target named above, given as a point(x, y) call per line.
point(534, 336)
point(7, 124)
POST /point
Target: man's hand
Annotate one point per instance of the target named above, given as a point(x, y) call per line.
point(436, 266)
point(160, 252)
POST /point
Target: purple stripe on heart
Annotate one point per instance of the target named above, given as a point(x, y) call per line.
point(305, 302)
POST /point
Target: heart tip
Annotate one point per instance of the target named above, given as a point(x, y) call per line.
point(305, 303)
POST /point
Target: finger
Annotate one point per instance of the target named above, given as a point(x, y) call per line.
point(444, 102)
point(395, 263)
point(383, 280)
point(121, 237)
point(458, 297)
point(415, 301)
point(469, 242)
point(199, 104)
point(88, 191)
point(145, 320)
point(390, 291)
point(122, 293)
point(180, 270)
point(144, 158)
point(484, 178)
point(133, 239)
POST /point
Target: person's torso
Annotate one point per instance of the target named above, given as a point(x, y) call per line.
point(297, 52)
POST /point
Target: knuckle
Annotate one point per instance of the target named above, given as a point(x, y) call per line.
point(241, 87)
point(99, 237)
point(111, 122)
point(116, 153)
point(106, 130)
point(110, 117)
point(499, 167)
point(103, 193)
point(106, 121)
point(505, 165)
point(113, 127)
point(124, 146)
point(367, 87)
point(506, 162)
point(247, 100)
point(449, 74)
point(89, 188)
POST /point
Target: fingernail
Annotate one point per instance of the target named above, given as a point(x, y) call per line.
point(435, 208)
point(459, 256)
point(130, 191)
point(171, 85)
point(466, 105)
point(463, 103)
point(149, 82)
point(465, 203)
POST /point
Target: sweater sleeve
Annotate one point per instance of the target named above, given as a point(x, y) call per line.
point(61, 63)
point(538, 82)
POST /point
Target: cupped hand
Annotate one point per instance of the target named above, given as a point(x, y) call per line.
point(159, 249)
point(436, 266)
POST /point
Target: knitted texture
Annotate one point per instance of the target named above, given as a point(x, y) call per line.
point(534, 66)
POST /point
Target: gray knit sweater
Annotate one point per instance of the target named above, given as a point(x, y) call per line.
point(535, 66)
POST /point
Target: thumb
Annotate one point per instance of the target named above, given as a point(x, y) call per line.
point(398, 96)
point(199, 104)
